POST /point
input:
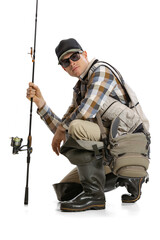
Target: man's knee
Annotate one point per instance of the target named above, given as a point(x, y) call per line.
point(84, 130)
point(75, 129)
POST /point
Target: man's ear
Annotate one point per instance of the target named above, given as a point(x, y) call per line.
point(85, 54)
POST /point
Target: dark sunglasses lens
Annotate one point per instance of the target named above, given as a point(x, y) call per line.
point(65, 63)
point(75, 57)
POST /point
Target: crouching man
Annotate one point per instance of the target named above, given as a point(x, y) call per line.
point(98, 92)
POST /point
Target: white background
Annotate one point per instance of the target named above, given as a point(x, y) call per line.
point(121, 32)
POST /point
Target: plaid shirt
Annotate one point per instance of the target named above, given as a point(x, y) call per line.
point(89, 95)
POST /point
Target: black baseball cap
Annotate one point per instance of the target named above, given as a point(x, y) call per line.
point(66, 46)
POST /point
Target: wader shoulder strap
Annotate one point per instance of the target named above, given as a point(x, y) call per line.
point(115, 72)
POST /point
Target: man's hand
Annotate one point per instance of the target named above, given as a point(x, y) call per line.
point(60, 135)
point(34, 92)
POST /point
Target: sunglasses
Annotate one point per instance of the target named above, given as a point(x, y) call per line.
point(66, 62)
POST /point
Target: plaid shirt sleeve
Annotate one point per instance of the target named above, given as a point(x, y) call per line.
point(50, 118)
point(101, 84)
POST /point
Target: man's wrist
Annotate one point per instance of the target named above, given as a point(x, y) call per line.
point(61, 128)
point(41, 106)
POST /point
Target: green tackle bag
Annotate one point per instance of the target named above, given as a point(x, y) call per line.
point(130, 153)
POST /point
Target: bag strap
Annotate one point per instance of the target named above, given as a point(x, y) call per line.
point(100, 124)
point(106, 154)
point(119, 77)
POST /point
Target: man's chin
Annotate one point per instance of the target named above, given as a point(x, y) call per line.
point(75, 74)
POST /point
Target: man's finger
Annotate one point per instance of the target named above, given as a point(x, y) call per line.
point(56, 151)
point(55, 148)
point(32, 85)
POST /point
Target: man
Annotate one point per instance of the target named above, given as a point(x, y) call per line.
point(83, 188)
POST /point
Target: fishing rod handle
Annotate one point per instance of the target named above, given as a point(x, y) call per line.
point(26, 196)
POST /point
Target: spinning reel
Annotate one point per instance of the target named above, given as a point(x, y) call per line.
point(16, 143)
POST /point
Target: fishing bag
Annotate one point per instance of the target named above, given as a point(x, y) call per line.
point(130, 153)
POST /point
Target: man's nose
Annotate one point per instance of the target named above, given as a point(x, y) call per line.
point(72, 63)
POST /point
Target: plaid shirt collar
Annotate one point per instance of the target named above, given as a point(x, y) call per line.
point(83, 81)
point(85, 72)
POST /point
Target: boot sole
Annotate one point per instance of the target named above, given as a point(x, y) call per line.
point(91, 207)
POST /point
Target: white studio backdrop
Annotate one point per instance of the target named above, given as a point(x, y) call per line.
point(121, 32)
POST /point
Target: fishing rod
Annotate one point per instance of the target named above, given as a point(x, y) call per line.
point(16, 141)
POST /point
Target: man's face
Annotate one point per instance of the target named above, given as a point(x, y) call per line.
point(75, 69)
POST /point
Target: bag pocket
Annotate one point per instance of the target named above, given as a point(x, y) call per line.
point(131, 165)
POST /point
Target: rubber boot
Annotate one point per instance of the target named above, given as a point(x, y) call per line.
point(133, 186)
point(67, 190)
point(111, 182)
point(92, 178)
